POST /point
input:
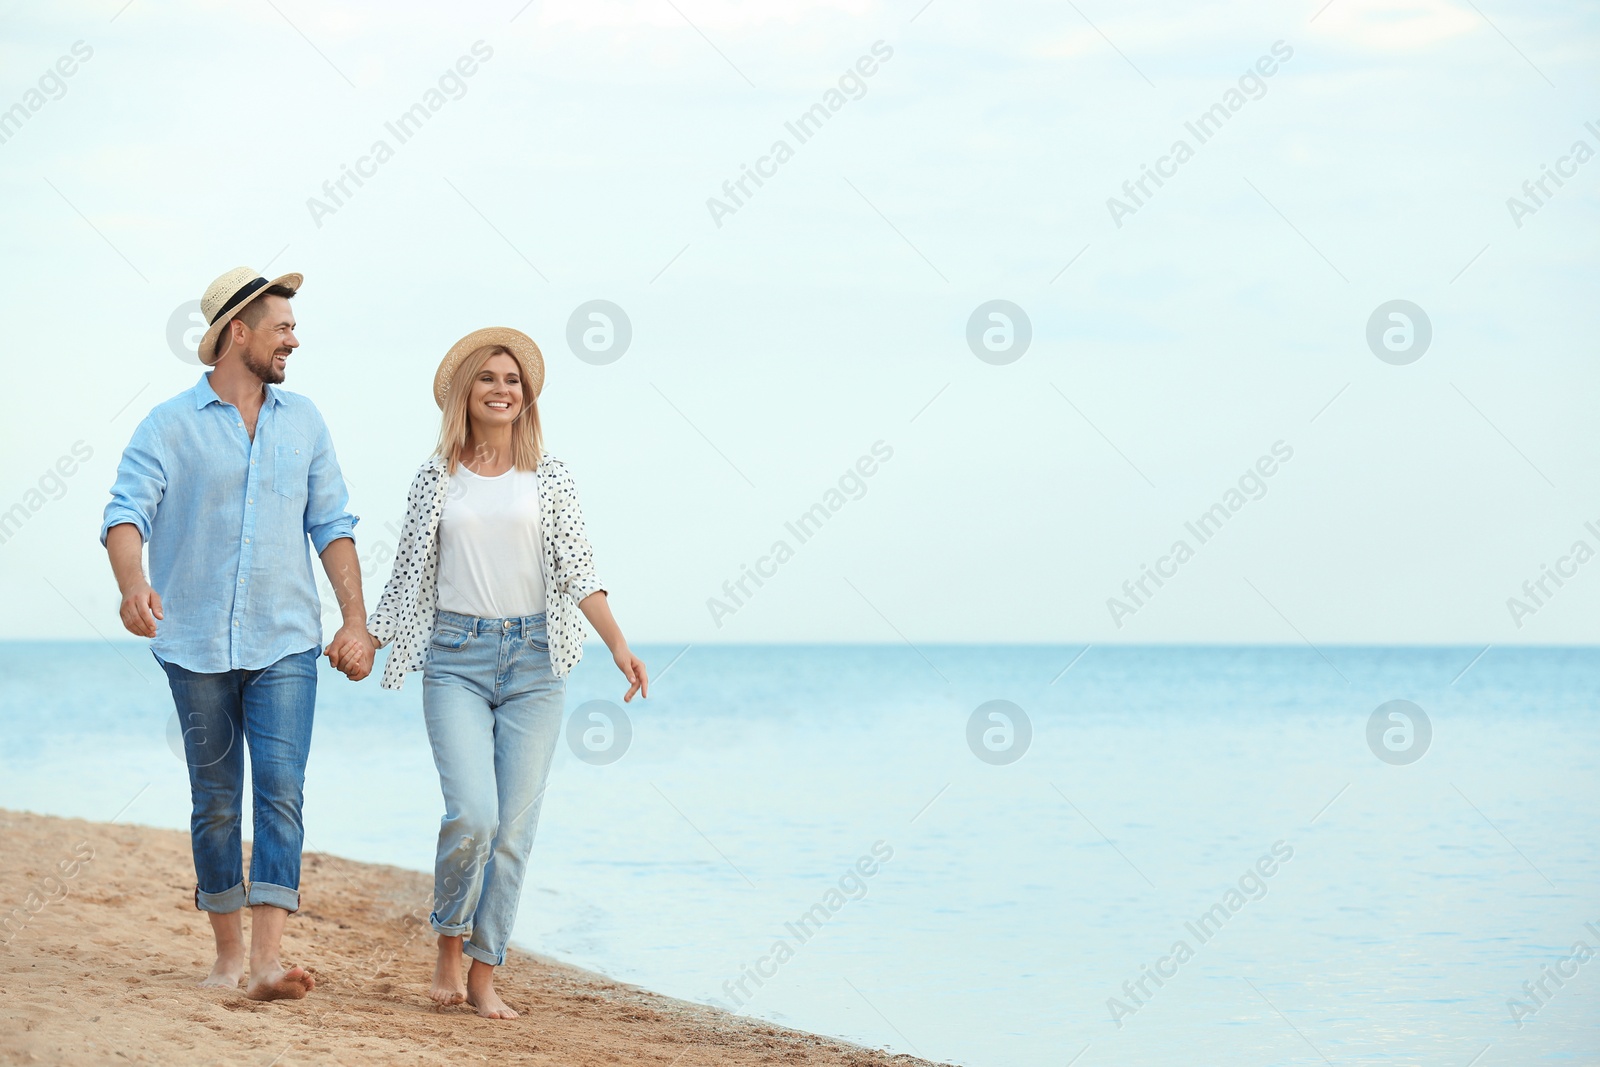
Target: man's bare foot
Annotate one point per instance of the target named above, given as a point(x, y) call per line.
point(279, 983)
point(229, 970)
point(481, 994)
point(225, 974)
point(449, 984)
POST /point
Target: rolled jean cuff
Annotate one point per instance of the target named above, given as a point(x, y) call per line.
point(449, 929)
point(278, 896)
point(222, 903)
point(482, 955)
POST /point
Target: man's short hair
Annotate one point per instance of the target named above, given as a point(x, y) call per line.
point(251, 313)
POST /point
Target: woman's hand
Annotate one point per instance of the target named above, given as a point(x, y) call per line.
point(632, 668)
point(597, 608)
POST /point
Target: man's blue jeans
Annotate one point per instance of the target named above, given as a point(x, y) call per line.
point(270, 711)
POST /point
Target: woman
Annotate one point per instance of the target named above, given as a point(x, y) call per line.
point(490, 571)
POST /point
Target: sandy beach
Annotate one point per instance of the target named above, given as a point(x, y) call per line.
point(101, 950)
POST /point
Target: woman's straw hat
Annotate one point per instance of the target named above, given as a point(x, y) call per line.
point(519, 344)
point(227, 296)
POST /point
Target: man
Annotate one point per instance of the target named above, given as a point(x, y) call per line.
point(226, 481)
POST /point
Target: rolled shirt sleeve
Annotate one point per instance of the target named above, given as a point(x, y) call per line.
point(326, 518)
point(141, 483)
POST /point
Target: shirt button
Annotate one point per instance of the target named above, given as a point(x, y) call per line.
point(241, 581)
point(247, 540)
point(241, 424)
point(236, 622)
point(252, 463)
point(250, 500)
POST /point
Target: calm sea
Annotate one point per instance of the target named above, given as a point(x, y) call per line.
point(1200, 855)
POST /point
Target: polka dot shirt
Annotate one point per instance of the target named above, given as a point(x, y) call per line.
point(405, 612)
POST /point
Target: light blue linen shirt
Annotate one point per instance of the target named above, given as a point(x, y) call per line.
point(226, 519)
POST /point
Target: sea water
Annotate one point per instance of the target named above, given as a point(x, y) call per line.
point(1147, 855)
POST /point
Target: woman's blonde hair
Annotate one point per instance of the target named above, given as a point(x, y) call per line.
point(527, 443)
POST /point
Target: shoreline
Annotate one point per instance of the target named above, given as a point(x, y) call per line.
point(102, 949)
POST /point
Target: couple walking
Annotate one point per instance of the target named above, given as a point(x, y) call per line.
point(225, 482)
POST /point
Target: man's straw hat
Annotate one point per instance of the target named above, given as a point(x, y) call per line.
point(521, 347)
point(227, 296)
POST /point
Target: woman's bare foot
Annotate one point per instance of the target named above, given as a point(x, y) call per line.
point(276, 982)
point(226, 973)
point(481, 994)
point(449, 985)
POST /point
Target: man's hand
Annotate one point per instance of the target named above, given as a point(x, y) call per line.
point(632, 668)
point(140, 610)
point(352, 648)
point(351, 651)
point(141, 605)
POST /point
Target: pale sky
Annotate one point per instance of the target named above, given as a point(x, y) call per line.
point(1172, 348)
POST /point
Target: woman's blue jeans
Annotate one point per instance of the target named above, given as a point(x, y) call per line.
point(493, 705)
point(269, 710)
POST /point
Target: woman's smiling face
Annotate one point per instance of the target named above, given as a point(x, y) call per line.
point(496, 398)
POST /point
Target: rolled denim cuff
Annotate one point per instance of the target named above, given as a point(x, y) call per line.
point(482, 955)
point(448, 929)
point(222, 903)
point(277, 896)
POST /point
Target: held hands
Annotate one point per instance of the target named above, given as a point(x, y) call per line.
point(632, 668)
point(351, 651)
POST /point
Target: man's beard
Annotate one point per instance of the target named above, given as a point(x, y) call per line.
point(267, 371)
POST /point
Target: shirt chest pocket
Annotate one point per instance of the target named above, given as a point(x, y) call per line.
point(291, 466)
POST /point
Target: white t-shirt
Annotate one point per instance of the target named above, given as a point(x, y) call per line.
point(490, 559)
